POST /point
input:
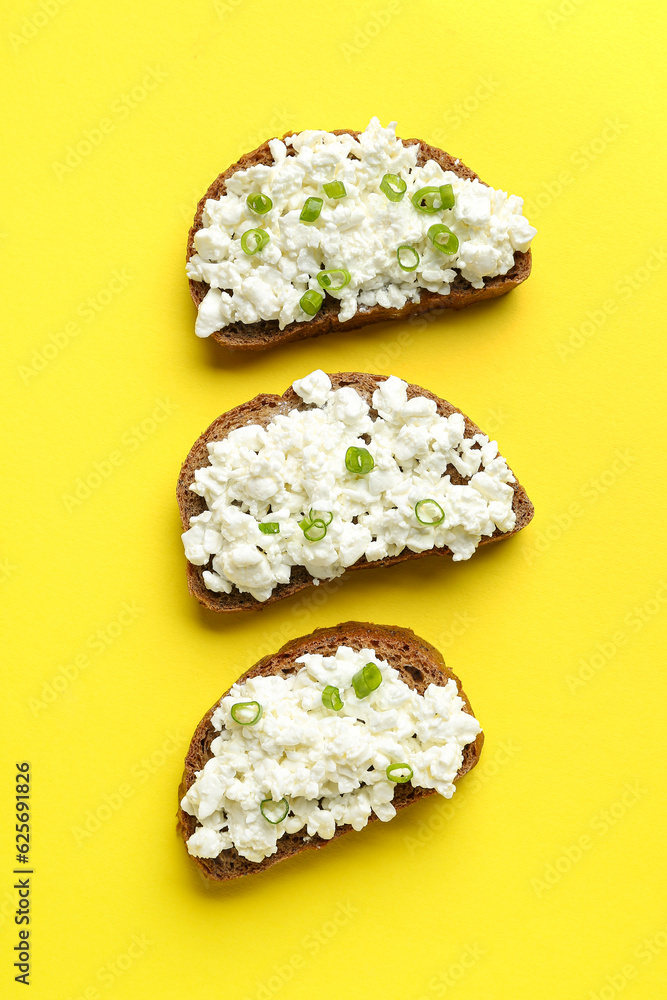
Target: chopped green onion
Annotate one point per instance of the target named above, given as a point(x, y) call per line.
point(359, 460)
point(246, 713)
point(393, 186)
point(313, 530)
point(260, 204)
point(311, 209)
point(427, 200)
point(412, 255)
point(321, 515)
point(399, 778)
point(334, 280)
point(439, 517)
point(433, 199)
point(443, 238)
point(269, 527)
point(331, 698)
point(254, 240)
point(366, 680)
point(311, 302)
point(274, 812)
point(447, 195)
point(335, 189)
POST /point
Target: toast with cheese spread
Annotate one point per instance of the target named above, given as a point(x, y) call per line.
point(270, 503)
point(302, 767)
point(321, 232)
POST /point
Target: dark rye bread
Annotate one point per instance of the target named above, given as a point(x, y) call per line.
point(264, 334)
point(419, 665)
point(261, 410)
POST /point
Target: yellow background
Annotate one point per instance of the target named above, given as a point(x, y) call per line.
point(540, 878)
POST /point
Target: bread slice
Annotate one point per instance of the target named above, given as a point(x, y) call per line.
point(265, 334)
point(261, 410)
point(419, 665)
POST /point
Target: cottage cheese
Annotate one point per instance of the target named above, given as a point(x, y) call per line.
point(359, 232)
point(330, 766)
point(296, 464)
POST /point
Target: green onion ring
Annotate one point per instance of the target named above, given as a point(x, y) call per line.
point(321, 515)
point(254, 240)
point(443, 239)
point(260, 204)
point(393, 186)
point(311, 302)
point(418, 507)
point(446, 196)
point(311, 209)
point(269, 527)
point(313, 530)
point(241, 707)
point(433, 199)
point(331, 698)
point(276, 818)
point(334, 189)
point(399, 779)
point(415, 256)
point(359, 461)
point(334, 280)
point(366, 680)
point(428, 200)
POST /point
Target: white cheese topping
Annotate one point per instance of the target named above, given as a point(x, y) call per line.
point(295, 465)
point(360, 231)
point(329, 765)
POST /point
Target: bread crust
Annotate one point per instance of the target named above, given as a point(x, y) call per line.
point(419, 664)
point(261, 410)
point(266, 333)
